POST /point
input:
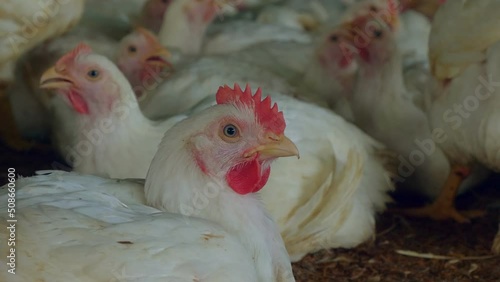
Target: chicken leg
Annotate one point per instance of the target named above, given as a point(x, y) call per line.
point(443, 207)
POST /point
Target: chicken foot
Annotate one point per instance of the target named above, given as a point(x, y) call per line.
point(443, 207)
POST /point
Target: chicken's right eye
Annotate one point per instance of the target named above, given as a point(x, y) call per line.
point(377, 33)
point(132, 49)
point(334, 38)
point(230, 131)
point(93, 74)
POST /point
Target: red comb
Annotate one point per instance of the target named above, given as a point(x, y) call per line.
point(393, 6)
point(69, 57)
point(266, 115)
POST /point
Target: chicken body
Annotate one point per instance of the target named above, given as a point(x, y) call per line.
point(29, 105)
point(321, 73)
point(330, 198)
point(303, 15)
point(25, 24)
point(464, 99)
point(113, 18)
point(85, 210)
point(384, 108)
point(187, 27)
point(411, 29)
point(341, 177)
point(32, 108)
point(194, 77)
point(462, 32)
point(338, 167)
point(91, 142)
point(86, 228)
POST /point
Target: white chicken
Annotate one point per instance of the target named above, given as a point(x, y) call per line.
point(152, 14)
point(465, 98)
point(322, 73)
point(84, 228)
point(412, 29)
point(116, 18)
point(25, 24)
point(344, 164)
point(139, 56)
point(339, 195)
point(104, 109)
point(425, 7)
point(332, 158)
point(451, 50)
point(303, 15)
point(194, 76)
point(186, 27)
point(383, 107)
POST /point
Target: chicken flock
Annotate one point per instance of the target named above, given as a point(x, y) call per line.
point(180, 120)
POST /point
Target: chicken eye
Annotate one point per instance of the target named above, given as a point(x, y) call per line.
point(377, 33)
point(373, 9)
point(334, 38)
point(230, 131)
point(132, 49)
point(93, 74)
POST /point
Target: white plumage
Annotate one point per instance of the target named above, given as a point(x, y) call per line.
point(194, 79)
point(32, 107)
point(462, 32)
point(186, 26)
point(74, 227)
point(95, 142)
point(98, 225)
point(341, 178)
point(25, 24)
point(464, 99)
point(339, 167)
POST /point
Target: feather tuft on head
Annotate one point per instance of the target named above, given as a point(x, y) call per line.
point(267, 115)
point(68, 58)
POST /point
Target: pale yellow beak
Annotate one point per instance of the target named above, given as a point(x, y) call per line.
point(158, 58)
point(52, 79)
point(278, 147)
point(347, 31)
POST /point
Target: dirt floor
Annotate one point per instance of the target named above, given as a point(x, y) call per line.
point(461, 251)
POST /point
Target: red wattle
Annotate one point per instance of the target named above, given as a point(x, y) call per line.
point(78, 102)
point(364, 54)
point(149, 72)
point(247, 177)
point(345, 61)
point(209, 14)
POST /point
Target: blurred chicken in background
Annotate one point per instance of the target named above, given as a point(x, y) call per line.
point(23, 25)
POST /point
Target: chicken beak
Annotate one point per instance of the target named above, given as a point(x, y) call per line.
point(52, 79)
point(347, 30)
point(278, 147)
point(158, 57)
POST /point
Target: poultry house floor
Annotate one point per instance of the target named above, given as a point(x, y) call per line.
point(405, 249)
